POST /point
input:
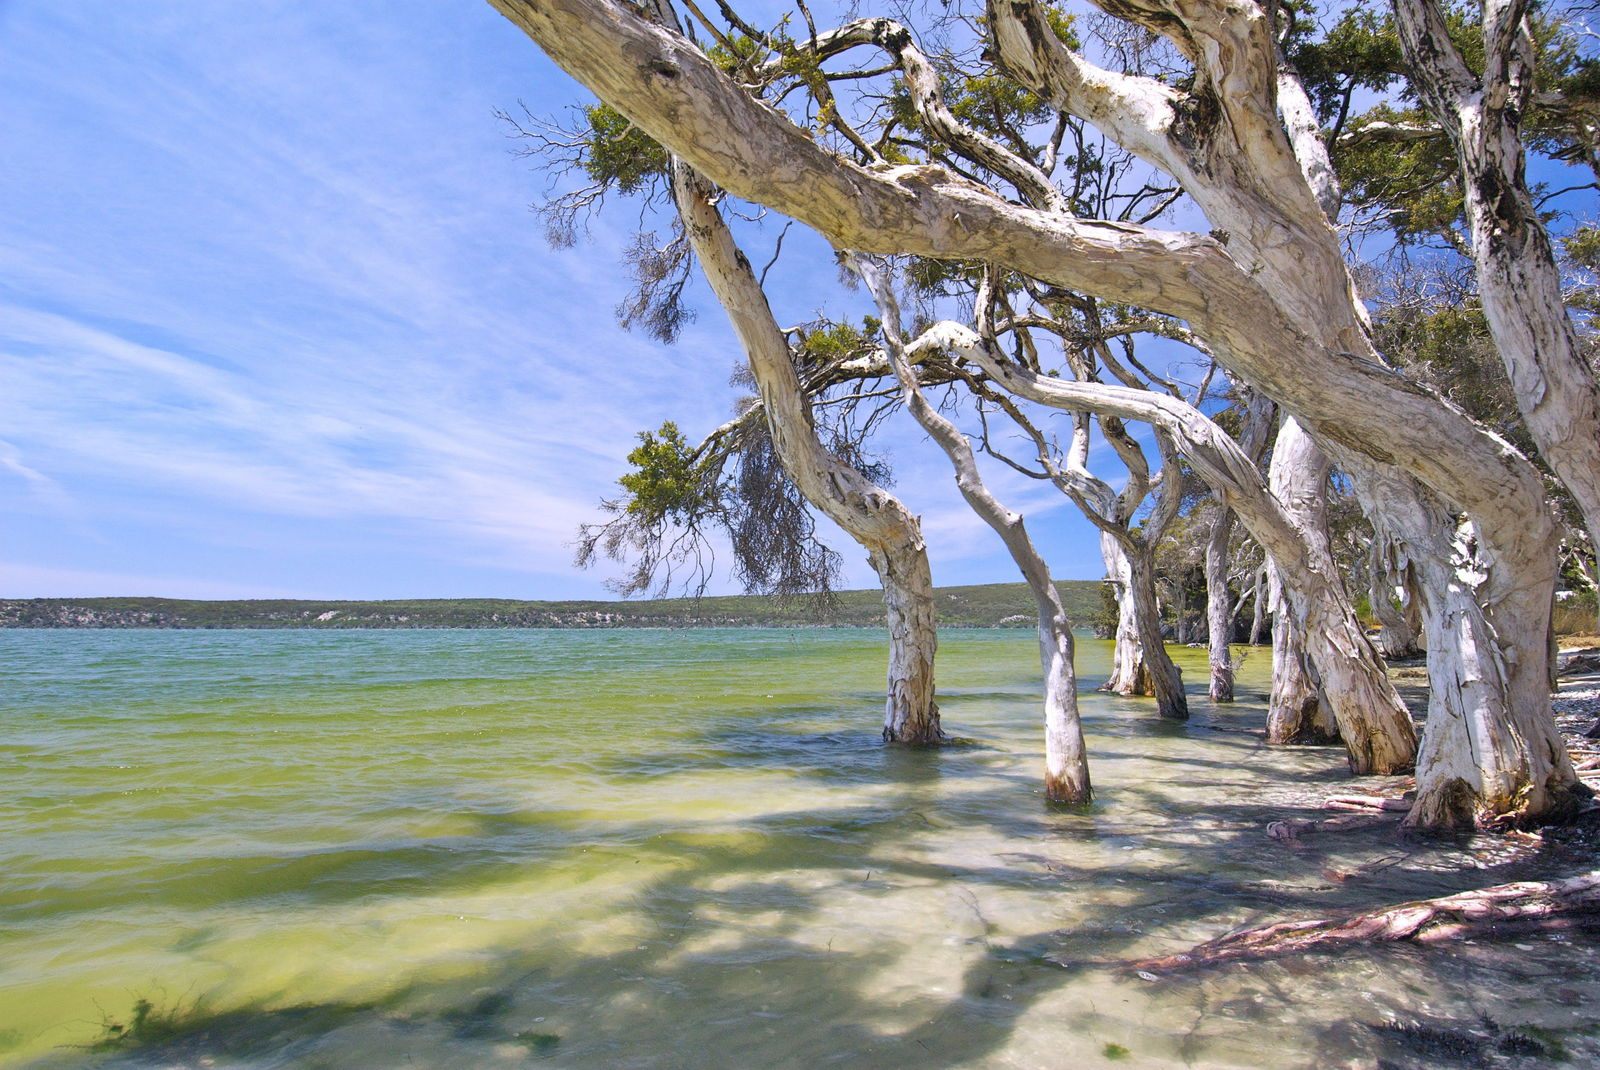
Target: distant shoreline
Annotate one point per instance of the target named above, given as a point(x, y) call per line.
point(980, 606)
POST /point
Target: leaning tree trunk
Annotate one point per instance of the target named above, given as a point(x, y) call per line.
point(1268, 290)
point(872, 516)
point(1066, 758)
point(1518, 280)
point(1372, 719)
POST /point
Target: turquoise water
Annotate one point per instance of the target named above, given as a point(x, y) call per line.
point(684, 848)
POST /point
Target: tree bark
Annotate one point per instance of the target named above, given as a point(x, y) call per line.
point(1518, 280)
point(1296, 712)
point(1128, 673)
point(1219, 607)
point(1490, 751)
point(872, 516)
point(1066, 758)
point(1396, 636)
point(1162, 673)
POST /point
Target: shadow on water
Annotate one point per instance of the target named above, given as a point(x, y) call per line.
point(730, 968)
point(940, 917)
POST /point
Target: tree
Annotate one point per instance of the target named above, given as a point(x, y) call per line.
point(1267, 291)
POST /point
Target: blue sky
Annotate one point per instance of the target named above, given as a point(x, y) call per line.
point(276, 321)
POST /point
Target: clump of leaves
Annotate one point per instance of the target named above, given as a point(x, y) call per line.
point(620, 155)
point(1115, 1051)
point(667, 482)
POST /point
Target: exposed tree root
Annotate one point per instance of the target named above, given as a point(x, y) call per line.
point(1291, 830)
point(1519, 907)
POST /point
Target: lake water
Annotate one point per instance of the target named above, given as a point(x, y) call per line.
point(689, 849)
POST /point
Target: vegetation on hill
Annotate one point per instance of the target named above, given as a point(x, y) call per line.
point(982, 606)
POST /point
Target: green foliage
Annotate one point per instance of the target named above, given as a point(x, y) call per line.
point(998, 105)
point(619, 154)
point(667, 481)
point(1449, 347)
point(834, 342)
point(1414, 184)
point(1115, 1051)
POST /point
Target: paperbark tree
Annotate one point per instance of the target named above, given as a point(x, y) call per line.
point(1066, 760)
point(1254, 432)
point(1373, 720)
point(1555, 387)
point(1267, 291)
point(1296, 712)
point(872, 516)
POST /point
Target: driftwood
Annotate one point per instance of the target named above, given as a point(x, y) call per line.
point(1519, 906)
point(1291, 829)
point(1366, 803)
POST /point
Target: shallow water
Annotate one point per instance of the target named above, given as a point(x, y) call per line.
point(688, 848)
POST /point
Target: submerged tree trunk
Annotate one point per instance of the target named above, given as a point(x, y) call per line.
point(1296, 712)
point(910, 714)
point(1268, 290)
point(1219, 607)
point(1066, 758)
point(1165, 678)
point(1128, 676)
point(871, 515)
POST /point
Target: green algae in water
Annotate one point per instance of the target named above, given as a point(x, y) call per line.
point(688, 847)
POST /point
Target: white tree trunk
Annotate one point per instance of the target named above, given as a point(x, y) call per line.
point(1396, 636)
point(1296, 712)
point(1518, 280)
point(1164, 676)
point(872, 516)
point(1066, 758)
point(910, 714)
point(1258, 613)
point(1219, 607)
point(1128, 676)
point(1372, 718)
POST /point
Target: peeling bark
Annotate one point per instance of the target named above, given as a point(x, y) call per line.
point(871, 515)
point(1518, 280)
point(1066, 759)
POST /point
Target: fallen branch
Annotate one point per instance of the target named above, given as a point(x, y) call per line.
point(1365, 802)
point(1523, 905)
point(1291, 829)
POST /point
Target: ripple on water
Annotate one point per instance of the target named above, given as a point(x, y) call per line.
point(679, 848)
